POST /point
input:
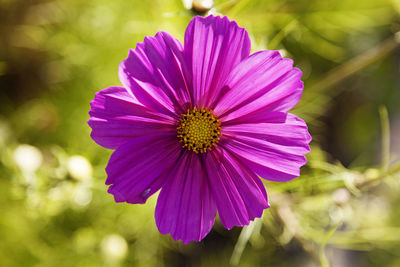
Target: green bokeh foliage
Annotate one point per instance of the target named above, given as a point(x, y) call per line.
point(344, 208)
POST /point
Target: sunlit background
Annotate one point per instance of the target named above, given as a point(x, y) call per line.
point(344, 209)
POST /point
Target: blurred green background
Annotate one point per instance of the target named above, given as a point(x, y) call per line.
point(344, 210)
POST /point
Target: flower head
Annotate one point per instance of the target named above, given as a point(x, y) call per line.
point(202, 122)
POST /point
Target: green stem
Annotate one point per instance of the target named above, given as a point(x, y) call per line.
point(385, 129)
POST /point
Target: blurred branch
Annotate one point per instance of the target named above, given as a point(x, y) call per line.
point(366, 238)
point(394, 170)
point(289, 219)
point(356, 64)
point(273, 44)
point(322, 256)
point(239, 5)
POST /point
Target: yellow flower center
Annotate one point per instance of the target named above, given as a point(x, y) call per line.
point(199, 130)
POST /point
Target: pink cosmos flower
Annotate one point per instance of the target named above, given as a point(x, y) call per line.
point(202, 122)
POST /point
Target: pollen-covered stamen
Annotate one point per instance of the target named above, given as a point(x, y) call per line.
point(199, 130)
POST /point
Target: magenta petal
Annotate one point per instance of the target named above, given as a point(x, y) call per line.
point(115, 118)
point(262, 82)
point(213, 47)
point(239, 194)
point(185, 207)
point(155, 74)
point(274, 150)
point(138, 169)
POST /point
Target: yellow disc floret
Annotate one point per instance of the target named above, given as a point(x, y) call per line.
point(199, 130)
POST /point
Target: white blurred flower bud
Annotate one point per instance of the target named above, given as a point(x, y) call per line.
point(198, 5)
point(28, 158)
point(114, 247)
point(341, 196)
point(79, 168)
point(202, 5)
